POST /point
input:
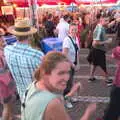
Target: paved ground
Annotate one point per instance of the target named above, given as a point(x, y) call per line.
point(91, 92)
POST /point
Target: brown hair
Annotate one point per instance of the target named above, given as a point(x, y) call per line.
point(49, 62)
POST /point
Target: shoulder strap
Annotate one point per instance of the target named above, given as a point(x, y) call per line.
point(74, 44)
point(76, 49)
point(26, 93)
point(72, 41)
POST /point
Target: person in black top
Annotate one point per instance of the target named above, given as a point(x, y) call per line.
point(49, 26)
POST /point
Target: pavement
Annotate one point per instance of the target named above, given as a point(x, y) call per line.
point(90, 92)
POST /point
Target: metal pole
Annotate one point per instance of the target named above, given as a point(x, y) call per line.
point(33, 10)
point(101, 3)
point(24, 10)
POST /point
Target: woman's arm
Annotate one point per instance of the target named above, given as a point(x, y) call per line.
point(56, 111)
point(65, 52)
point(98, 42)
point(3, 65)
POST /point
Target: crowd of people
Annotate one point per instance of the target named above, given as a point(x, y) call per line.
point(41, 80)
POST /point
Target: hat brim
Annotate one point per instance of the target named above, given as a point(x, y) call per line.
point(16, 33)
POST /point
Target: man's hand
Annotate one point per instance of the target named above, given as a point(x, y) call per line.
point(108, 41)
point(118, 19)
point(89, 111)
point(91, 108)
point(94, 43)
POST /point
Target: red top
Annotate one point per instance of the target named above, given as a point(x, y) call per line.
point(116, 55)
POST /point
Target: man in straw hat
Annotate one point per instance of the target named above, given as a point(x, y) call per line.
point(22, 59)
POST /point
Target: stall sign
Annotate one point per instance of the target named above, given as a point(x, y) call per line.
point(7, 10)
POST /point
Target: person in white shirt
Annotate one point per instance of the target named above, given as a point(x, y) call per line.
point(62, 27)
point(70, 49)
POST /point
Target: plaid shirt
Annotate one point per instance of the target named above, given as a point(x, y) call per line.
point(22, 60)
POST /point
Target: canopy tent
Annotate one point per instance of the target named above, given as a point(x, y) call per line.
point(94, 1)
point(54, 2)
point(24, 3)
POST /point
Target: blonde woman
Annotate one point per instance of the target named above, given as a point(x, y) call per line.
point(43, 98)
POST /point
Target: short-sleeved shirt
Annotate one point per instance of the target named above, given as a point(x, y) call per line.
point(22, 60)
point(67, 43)
point(99, 34)
point(63, 28)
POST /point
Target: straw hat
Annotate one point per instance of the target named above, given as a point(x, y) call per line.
point(22, 28)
